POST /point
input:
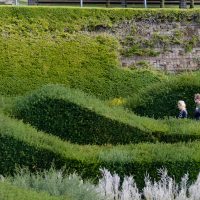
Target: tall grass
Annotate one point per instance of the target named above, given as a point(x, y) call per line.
point(164, 189)
point(110, 186)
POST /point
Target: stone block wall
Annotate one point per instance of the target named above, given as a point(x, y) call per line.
point(175, 58)
point(174, 61)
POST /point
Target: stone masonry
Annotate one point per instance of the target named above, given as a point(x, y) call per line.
point(175, 60)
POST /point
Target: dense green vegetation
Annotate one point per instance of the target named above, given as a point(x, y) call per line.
point(43, 45)
point(160, 100)
point(63, 93)
point(24, 146)
point(83, 119)
point(38, 20)
point(80, 61)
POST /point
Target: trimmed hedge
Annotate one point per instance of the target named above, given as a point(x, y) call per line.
point(50, 45)
point(33, 20)
point(89, 63)
point(21, 145)
point(11, 192)
point(160, 100)
point(77, 117)
point(80, 118)
point(40, 45)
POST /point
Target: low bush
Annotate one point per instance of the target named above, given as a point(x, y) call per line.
point(160, 100)
point(56, 183)
point(10, 192)
point(164, 189)
point(80, 118)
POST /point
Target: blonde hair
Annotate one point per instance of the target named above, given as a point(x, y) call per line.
point(182, 104)
point(197, 96)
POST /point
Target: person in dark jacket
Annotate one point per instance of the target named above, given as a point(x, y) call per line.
point(197, 110)
point(183, 111)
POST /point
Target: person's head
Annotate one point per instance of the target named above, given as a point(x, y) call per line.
point(181, 105)
point(197, 99)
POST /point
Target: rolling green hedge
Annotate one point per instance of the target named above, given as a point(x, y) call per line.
point(21, 145)
point(77, 117)
point(83, 119)
point(11, 192)
point(160, 100)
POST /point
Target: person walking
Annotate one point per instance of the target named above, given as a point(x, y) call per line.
point(183, 111)
point(197, 110)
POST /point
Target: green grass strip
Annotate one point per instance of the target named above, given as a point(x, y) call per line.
point(10, 192)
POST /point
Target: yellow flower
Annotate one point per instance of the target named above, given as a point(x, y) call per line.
point(117, 101)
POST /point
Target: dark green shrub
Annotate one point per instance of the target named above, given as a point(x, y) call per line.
point(79, 118)
point(21, 145)
point(161, 99)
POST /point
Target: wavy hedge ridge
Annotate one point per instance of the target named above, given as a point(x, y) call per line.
point(160, 100)
point(83, 119)
point(21, 145)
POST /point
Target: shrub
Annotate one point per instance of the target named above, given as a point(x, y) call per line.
point(53, 45)
point(79, 118)
point(21, 145)
point(160, 100)
point(33, 20)
point(89, 63)
point(110, 186)
point(56, 183)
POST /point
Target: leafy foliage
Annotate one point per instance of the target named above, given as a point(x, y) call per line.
point(79, 118)
point(160, 100)
point(21, 145)
point(54, 45)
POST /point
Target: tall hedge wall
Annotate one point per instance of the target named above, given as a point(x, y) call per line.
point(80, 118)
point(54, 45)
point(160, 100)
point(42, 45)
